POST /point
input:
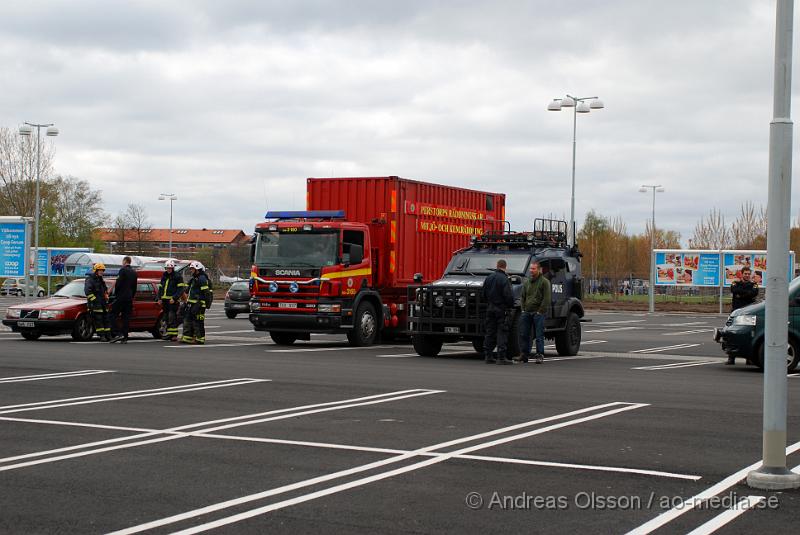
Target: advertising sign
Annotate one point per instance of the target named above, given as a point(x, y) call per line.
point(12, 247)
point(734, 261)
point(52, 260)
point(687, 268)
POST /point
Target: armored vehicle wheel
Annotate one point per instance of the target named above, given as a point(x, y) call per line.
point(426, 345)
point(568, 341)
point(477, 344)
point(282, 339)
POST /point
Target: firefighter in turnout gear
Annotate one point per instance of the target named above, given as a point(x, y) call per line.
point(200, 297)
point(170, 291)
point(97, 301)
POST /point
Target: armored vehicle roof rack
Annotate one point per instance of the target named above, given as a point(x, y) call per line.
point(546, 233)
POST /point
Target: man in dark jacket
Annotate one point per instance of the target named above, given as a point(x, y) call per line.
point(743, 291)
point(499, 307)
point(170, 290)
point(124, 292)
point(97, 300)
point(200, 297)
point(534, 301)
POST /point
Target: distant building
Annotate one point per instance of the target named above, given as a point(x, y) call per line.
point(156, 241)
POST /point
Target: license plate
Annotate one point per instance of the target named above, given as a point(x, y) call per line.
point(287, 305)
point(26, 324)
point(452, 330)
point(241, 306)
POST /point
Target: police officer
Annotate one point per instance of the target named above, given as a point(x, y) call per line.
point(97, 300)
point(170, 291)
point(500, 302)
point(199, 293)
point(124, 292)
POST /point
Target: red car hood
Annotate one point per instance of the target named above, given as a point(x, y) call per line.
point(53, 303)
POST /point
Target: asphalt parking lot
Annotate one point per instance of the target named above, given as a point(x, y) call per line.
point(644, 431)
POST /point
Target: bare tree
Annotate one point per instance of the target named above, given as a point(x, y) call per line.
point(136, 220)
point(750, 228)
point(18, 172)
point(711, 232)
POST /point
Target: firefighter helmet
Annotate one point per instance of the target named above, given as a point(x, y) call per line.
point(99, 266)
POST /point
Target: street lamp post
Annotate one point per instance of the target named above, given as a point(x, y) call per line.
point(578, 105)
point(26, 130)
point(172, 197)
point(652, 289)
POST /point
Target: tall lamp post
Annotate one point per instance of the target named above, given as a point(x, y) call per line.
point(27, 130)
point(652, 290)
point(578, 105)
point(171, 197)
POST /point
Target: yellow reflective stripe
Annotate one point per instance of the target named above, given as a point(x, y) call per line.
point(193, 300)
point(351, 273)
point(91, 297)
point(204, 287)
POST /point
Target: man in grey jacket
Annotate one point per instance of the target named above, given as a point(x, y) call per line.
point(534, 301)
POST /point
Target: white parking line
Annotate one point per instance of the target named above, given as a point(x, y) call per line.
point(741, 507)
point(67, 402)
point(236, 421)
point(377, 477)
point(614, 329)
point(690, 503)
point(696, 331)
point(185, 346)
point(685, 324)
point(616, 322)
point(338, 348)
point(46, 376)
point(664, 348)
point(675, 365)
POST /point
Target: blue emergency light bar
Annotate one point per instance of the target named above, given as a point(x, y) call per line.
point(306, 214)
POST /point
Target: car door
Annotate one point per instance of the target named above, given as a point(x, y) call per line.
point(145, 307)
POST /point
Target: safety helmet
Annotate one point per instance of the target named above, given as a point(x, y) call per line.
point(197, 265)
point(169, 264)
point(98, 266)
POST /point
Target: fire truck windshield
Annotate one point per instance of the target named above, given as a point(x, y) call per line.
point(296, 249)
point(483, 263)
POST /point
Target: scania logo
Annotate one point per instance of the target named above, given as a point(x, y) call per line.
point(288, 272)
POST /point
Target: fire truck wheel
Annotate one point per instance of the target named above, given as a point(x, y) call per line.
point(426, 345)
point(366, 326)
point(282, 339)
point(568, 341)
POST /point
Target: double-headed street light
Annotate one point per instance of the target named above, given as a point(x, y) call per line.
point(578, 105)
point(652, 293)
point(171, 197)
point(26, 130)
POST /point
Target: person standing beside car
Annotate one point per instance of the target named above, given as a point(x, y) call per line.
point(534, 301)
point(170, 291)
point(743, 291)
point(499, 307)
point(124, 292)
point(97, 300)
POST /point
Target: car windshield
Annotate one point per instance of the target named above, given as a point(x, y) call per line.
point(239, 286)
point(281, 249)
point(794, 287)
point(9, 282)
point(484, 263)
point(73, 289)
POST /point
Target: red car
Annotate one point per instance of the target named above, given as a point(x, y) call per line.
point(66, 313)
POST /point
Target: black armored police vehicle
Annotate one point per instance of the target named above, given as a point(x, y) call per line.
point(452, 308)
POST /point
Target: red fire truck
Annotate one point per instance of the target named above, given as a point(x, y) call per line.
point(343, 265)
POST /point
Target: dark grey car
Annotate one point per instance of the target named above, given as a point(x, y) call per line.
point(237, 299)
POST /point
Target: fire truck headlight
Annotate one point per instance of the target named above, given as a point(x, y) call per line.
point(254, 306)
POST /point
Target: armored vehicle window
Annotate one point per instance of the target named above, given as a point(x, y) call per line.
point(558, 268)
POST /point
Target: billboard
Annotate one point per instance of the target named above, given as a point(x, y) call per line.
point(12, 247)
point(678, 267)
point(52, 259)
point(687, 268)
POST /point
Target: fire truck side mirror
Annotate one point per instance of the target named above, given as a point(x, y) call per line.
point(418, 278)
point(356, 254)
point(252, 251)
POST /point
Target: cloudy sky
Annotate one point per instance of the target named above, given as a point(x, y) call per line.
point(232, 104)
